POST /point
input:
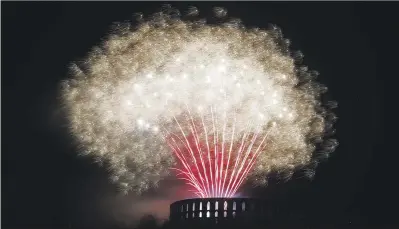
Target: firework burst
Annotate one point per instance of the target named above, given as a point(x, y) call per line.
point(219, 104)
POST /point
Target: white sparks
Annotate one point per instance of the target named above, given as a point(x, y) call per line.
point(225, 86)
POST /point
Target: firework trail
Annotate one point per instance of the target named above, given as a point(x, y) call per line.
point(219, 104)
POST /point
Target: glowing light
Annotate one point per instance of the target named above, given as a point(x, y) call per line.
point(140, 122)
point(206, 101)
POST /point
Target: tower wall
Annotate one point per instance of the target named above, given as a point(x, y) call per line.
point(219, 209)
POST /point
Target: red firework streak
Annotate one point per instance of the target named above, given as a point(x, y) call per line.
point(214, 165)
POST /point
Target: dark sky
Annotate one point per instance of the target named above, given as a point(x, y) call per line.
point(44, 183)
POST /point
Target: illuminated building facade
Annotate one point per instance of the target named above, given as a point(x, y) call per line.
point(215, 212)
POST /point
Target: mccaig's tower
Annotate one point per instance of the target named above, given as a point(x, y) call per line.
point(224, 212)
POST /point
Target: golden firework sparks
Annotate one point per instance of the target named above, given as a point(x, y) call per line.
point(220, 103)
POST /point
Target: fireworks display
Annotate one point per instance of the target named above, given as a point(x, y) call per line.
point(215, 105)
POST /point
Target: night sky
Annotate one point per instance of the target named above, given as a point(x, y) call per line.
point(44, 183)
